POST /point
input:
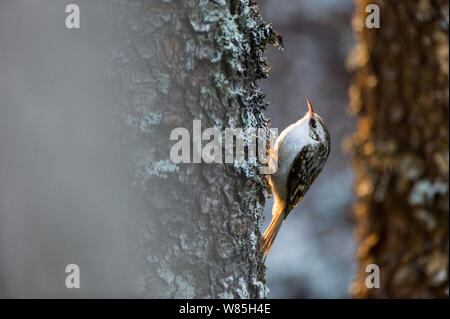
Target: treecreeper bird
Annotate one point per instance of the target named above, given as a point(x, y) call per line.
point(300, 151)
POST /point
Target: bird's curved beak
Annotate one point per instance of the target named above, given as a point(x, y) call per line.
point(310, 108)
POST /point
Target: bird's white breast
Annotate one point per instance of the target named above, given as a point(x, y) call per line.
point(287, 146)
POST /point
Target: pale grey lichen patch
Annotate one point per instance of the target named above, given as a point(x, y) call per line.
point(197, 22)
point(440, 277)
point(161, 167)
point(143, 123)
point(427, 218)
point(243, 289)
point(208, 203)
point(261, 287)
point(231, 41)
point(163, 82)
point(225, 247)
point(225, 295)
point(412, 167)
point(227, 285)
point(165, 273)
point(186, 287)
point(424, 191)
point(146, 166)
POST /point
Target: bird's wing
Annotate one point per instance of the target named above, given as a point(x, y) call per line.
point(300, 176)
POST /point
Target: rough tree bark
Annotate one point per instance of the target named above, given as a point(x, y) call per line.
point(400, 95)
point(180, 61)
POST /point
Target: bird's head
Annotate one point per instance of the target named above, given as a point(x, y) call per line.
point(316, 126)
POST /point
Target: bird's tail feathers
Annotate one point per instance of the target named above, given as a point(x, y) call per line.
point(271, 232)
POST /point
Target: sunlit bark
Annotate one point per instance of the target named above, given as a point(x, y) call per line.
point(401, 156)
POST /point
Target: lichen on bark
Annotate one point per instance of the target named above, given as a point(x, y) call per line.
point(180, 61)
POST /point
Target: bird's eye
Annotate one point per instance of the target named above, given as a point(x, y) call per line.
point(313, 123)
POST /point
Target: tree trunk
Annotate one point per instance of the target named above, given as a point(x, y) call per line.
point(181, 61)
point(400, 95)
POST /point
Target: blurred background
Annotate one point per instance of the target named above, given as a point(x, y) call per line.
point(314, 253)
point(64, 184)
